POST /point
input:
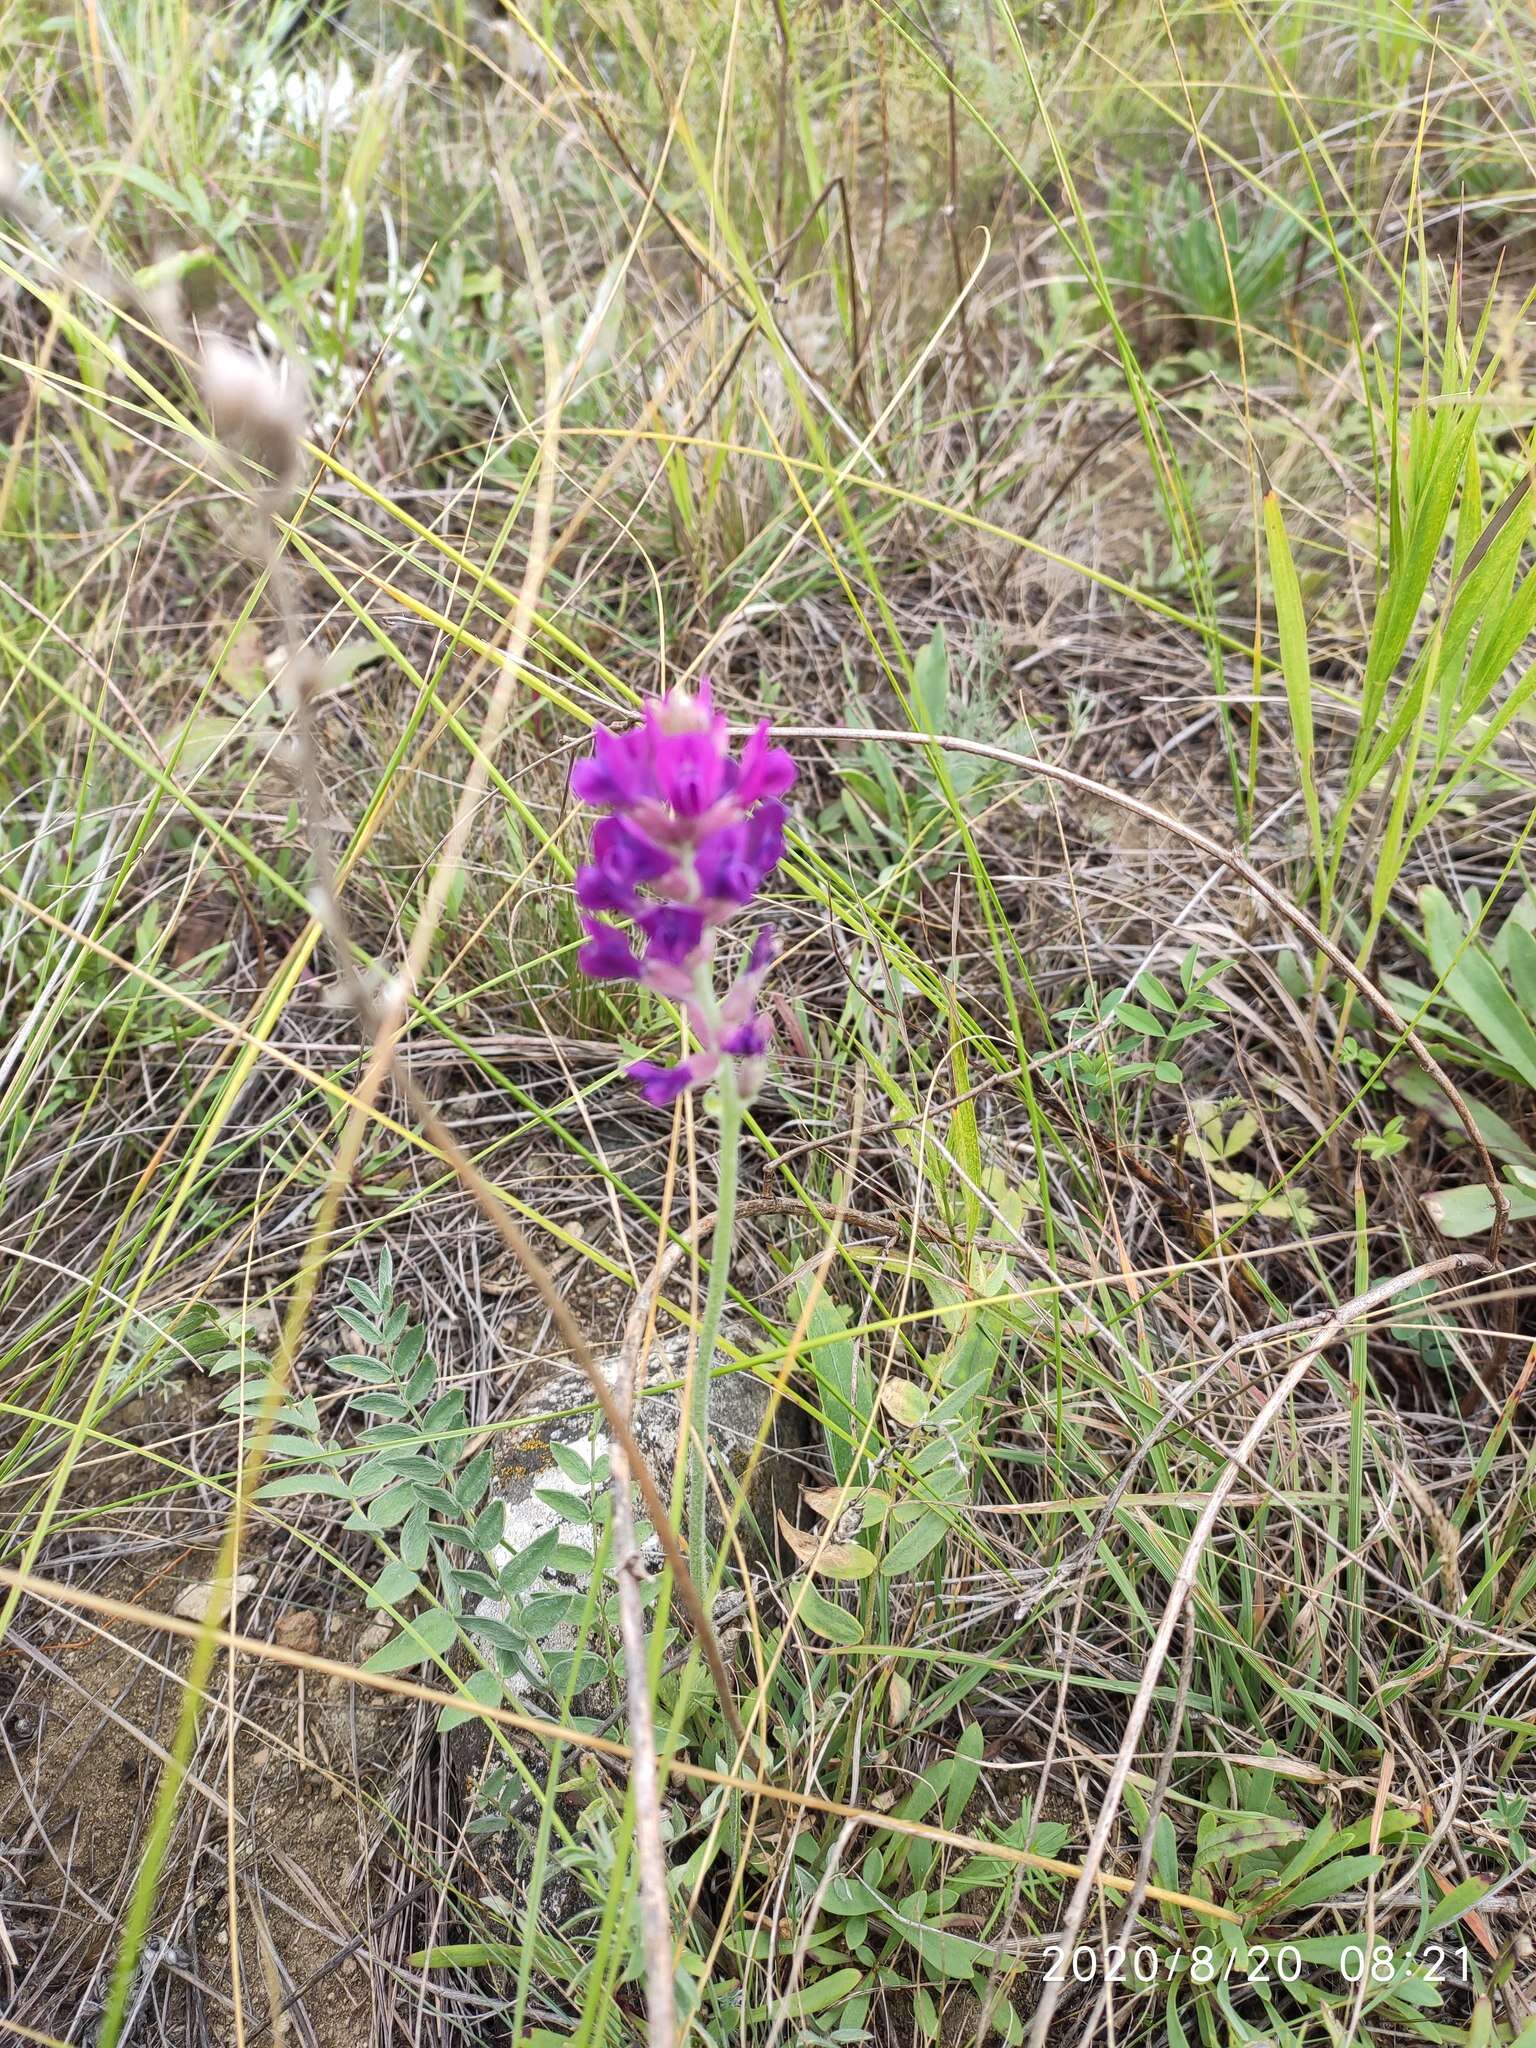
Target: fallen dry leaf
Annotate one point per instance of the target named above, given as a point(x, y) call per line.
point(832, 1560)
point(1471, 1919)
point(833, 1501)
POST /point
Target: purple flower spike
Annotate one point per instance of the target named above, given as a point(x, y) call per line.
point(692, 834)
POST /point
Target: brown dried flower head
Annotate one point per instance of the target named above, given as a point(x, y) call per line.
point(255, 407)
point(10, 179)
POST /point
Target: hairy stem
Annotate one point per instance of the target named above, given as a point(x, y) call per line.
point(709, 1325)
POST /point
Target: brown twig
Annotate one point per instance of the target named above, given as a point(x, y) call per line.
point(645, 1778)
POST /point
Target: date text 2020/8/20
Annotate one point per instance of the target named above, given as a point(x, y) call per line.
point(1375, 1962)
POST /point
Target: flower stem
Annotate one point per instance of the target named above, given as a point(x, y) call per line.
point(709, 1325)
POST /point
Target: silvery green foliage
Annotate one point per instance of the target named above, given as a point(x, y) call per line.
point(410, 1480)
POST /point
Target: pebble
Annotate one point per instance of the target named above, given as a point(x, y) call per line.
point(373, 1637)
point(299, 1630)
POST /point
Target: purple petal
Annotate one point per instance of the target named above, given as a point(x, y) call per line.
point(626, 856)
point(675, 931)
point(734, 862)
point(765, 835)
point(617, 773)
point(689, 771)
point(765, 770)
point(597, 891)
point(661, 1086)
point(725, 868)
point(607, 954)
point(590, 784)
point(751, 1041)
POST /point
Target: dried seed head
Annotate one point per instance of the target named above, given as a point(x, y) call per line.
point(162, 302)
point(253, 406)
point(300, 676)
point(10, 179)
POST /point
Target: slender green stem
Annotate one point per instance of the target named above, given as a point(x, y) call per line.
point(709, 1326)
point(1354, 1526)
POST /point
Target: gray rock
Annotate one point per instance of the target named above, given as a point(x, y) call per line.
point(565, 1434)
